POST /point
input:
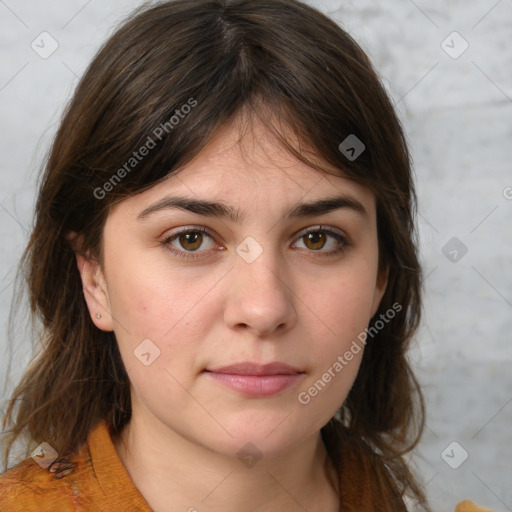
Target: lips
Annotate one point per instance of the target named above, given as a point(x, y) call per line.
point(255, 380)
point(248, 368)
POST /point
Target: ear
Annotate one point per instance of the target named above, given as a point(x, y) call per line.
point(380, 288)
point(93, 284)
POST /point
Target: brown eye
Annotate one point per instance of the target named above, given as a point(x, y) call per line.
point(315, 240)
point(191, 240)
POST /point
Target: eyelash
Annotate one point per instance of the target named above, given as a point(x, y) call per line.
point(192, 255)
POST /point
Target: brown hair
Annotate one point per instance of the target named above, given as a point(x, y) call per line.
point(222, 58)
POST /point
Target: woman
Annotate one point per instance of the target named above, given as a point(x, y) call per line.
point(225, 267)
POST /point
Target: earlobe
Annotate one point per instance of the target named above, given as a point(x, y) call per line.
point(93, 285)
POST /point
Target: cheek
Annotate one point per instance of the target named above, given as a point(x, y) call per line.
point(342, 318)
point(153, 299)
point(171, 308)
point(342, 313)
point(344, 303)
point(337, 353)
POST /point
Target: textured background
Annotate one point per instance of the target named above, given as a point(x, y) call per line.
point(455, 103)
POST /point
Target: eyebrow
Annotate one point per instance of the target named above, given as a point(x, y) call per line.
point(223, 210)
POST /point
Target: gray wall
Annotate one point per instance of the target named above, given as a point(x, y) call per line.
point(456, 109)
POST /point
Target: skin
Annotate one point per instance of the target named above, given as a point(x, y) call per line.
point(291, 304)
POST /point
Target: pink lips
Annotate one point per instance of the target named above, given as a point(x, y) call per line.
point(256, 380)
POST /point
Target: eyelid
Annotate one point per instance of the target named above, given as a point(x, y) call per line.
point(190, 227)
point(321, 227)
point(302, 232)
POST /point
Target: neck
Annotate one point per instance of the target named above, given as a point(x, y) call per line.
point(171, 471)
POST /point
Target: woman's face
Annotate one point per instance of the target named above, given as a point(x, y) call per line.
point(265, 287)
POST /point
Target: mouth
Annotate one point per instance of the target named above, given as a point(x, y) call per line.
point(255, 380)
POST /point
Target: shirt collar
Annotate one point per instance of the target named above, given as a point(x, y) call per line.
point(120, 493)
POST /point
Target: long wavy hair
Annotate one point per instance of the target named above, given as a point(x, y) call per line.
point(224, 57)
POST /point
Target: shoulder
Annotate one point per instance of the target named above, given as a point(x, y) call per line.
point(28, 486)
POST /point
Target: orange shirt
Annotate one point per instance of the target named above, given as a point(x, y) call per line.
point(99, 482)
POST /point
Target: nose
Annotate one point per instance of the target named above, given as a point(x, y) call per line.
point(259, 297)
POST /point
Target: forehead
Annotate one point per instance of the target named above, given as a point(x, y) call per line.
point(247, 166)
point(247, 149)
